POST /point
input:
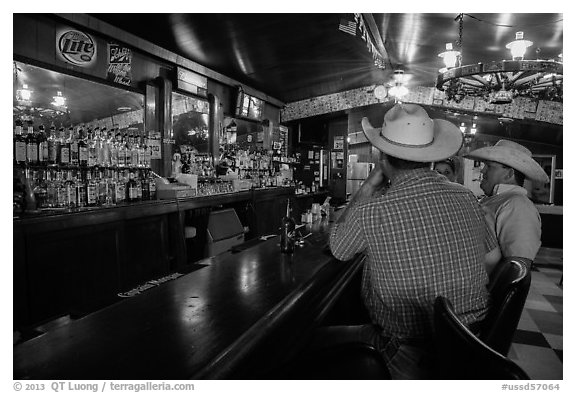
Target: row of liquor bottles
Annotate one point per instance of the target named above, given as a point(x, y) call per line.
point(79, 147)
point(245, 161)
point(74, 188)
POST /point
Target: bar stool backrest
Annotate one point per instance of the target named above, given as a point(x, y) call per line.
point(461, 355)
point(509, 287)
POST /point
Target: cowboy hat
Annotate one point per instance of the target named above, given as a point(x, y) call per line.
point(409, 133)
point(513, 155)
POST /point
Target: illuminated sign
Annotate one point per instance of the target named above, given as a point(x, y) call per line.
point(76, 47)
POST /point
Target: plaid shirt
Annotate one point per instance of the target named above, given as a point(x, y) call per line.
point(424, 237)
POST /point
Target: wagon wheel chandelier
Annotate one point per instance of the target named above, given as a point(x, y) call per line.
point(499, 82)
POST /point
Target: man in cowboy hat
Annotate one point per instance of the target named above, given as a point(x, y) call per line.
point(511, 215)
point(424, 236)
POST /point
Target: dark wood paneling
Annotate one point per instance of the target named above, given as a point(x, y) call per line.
point(149, 255)
point(71, 271)
point(268, 215)
point(20, 282)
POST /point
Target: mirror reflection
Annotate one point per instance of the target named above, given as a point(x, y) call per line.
point(190, 124)
point(543, 192)
point(52, 98)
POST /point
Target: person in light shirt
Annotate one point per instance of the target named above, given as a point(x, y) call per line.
point(509, 212)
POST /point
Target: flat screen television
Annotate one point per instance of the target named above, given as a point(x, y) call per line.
point(313, 131)
point(248, 107)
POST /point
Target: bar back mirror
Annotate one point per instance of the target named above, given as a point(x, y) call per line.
point(543, 193)
point(190, 124)
point(52, 98)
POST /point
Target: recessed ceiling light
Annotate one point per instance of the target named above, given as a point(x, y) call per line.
point(123, 109)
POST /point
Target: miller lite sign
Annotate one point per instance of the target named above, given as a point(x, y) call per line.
point(76, 47)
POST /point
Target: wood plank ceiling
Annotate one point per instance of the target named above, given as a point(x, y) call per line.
point(297, 56)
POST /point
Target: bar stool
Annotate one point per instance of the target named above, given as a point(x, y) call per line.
point(461, 355)
point(509, 287)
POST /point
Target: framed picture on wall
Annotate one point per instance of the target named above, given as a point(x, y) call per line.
point(538, 192)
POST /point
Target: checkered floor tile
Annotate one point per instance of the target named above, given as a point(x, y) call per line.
point(537, 344)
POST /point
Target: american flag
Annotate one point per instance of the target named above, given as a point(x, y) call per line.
point(347, 26)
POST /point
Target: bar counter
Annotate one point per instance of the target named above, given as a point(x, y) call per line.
point(75, 262)
point(237, 317)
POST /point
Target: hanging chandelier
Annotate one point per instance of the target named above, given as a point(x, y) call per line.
point(499, 82)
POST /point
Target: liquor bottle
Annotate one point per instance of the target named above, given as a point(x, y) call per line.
point(40, 191)
point(110, 187)
point(113, 146)
point(145, 152)
point(152, 185)
point(112, 184)
point(81, 197)
point(97, 147)
point(64, 148)
point(51, 189)
point(145, 186)
point(138, 185)
point(104, 148)
point(103, 199)
point(91, 189)
point(135, 151)
point(43, 154)
point(53, 147)
point(82, 148)
point(120, 143)
point(73, 143)
point(19, 145)
point(31, 145)
point(120, 189)
point(287, 236)
point(141, 153)
point(128, 151)
point(131, 189)
point(70, 186)
point(92, 151)
point(61, 189)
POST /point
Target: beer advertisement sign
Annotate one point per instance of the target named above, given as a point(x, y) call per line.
point(119, 64)
point(75, 47)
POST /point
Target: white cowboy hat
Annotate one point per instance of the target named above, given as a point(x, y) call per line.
point(409, 133)
point(513, 155)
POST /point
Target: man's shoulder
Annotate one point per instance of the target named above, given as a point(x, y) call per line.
point(511, 200)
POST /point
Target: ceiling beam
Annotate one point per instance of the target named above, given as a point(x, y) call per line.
point(375, 33)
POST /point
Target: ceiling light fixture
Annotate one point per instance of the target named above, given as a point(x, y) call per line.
point(397, 89)
point(499, 82)
point(59, 100)
point(24, 94)
point(450, 56)
point(518, 46)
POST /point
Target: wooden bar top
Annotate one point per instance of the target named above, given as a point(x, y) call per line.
point(200, 325)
